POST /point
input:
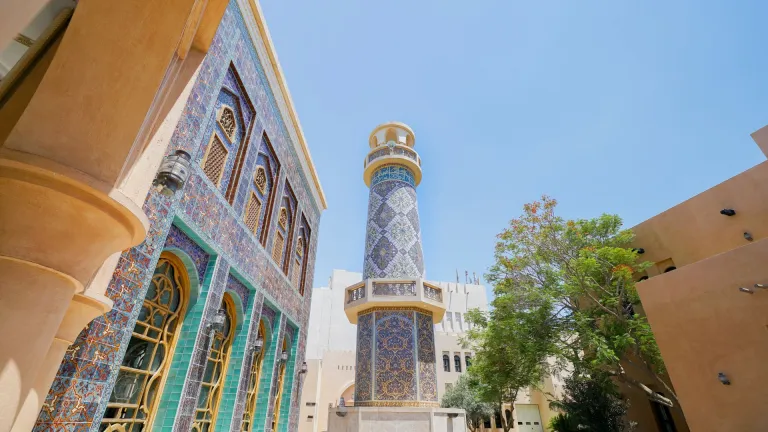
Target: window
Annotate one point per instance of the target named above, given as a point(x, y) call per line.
point(457, 363)
point(299, 268)
point(215, 371)
point(283, 247)
point(253, 382)
point(487, 423)
point(446, 363)
point(468, 361)
point(278, 395)
point(508, 417)
point(663, 417)
point(459, 324)
point(227, 122)
point(311, 404)
point(253, 213)
point(133, 402)
point(277, 248)
point(497, 419)
point(669, 269)
point(263, 185)
point(450, 321)
point(215, 159)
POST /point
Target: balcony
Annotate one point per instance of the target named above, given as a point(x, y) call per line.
point(397, 154)
point(393, 293)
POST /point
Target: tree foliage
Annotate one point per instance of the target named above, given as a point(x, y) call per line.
point(464, 396)
point(575, 279)
point(590, 403)
point(510, 353)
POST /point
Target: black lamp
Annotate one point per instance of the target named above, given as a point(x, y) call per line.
point(173, 173)
point(728, 212)
point(723, 378)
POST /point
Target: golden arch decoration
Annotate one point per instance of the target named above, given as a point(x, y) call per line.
point(278, 397)
point(215, 371)
point(133, 403)
point(253, 381)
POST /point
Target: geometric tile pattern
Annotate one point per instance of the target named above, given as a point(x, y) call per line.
point(231, 74)
point(393, 235)
point(426, 357)
point(364, 362)
point(395, 357)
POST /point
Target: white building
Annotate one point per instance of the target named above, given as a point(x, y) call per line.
point(331, 345)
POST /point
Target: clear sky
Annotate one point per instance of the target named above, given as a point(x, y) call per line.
point(626, 107)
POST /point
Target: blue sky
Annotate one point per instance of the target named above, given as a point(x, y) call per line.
point(626, 107)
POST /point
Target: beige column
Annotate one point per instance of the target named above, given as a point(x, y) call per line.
point(82, 310)
point(62, 213)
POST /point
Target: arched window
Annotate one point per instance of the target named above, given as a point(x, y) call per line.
point(253, 381)
point(283, 241)
point(299, 267)
point(278, 396)
point(446, 363)
point(215, 159)
point(139, 383)
point(497, 419)
point(457, 363)
point(468, 361)
point(215, 371)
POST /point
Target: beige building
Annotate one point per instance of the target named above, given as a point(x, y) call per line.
point(706, 303)
point(331, 354)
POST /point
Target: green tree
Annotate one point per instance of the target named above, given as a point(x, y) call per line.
point(510, 354)
point(590, 403)
point(463, 396)
point(577, 277)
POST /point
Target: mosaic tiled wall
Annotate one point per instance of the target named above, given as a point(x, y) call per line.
point(395, 358)
point(393, 236)
point(216, 243)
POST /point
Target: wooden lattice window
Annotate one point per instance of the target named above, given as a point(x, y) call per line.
point(277, 249)
point(260, 179)
point(252, 212)
point(215, 159)
point(227, 121)
point(296, 276)
point(282, 219)
point(300, 247)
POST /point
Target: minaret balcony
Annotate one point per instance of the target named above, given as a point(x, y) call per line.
point(391, 154)
point(403, 292)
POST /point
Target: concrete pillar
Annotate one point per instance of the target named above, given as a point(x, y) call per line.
point(82, 310)
point(104, 95)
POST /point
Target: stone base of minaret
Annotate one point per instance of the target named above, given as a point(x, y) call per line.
point(396, 419)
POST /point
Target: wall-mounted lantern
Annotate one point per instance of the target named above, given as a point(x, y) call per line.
point(723, 378)
point(748, 236)
point(173, 173)
point(258, 345)
point(284, 356)
point(217, 322)
point(728, 212)
point(303, 369)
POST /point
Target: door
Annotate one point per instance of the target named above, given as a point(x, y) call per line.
point(528, 418)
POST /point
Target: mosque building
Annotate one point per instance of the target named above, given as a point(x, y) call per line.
point(159, 214)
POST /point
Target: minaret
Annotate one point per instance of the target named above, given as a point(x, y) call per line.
point(394, 309)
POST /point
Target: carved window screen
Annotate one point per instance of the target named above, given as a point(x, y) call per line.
point(228, 122)
point(252, 213)
point(277, 249)
point(215, 160)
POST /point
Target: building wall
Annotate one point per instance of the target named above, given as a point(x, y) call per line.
point(220, 253)
point(703, 324)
